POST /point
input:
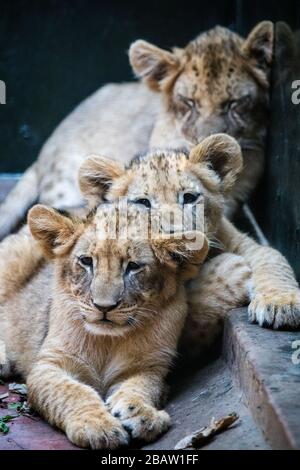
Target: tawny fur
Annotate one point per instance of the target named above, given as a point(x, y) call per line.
point(45, 337)
point(209, 171)
point(275, 294)
point(223, 284)
point(217, 83)
point(89, 377)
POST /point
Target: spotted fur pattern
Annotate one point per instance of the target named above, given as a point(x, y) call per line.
point(217, 83)
point(208, 172)
point(95, 330)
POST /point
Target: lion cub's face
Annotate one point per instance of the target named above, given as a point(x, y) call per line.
point(218, 83)
point(114, 276)
point(178, 184)
point(165, 181)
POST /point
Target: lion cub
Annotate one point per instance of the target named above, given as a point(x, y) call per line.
point(218, 82)
point(174, 180)
point(111, 309)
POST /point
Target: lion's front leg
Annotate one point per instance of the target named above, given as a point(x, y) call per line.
point(275, 294)
point(135, 403)
point(74, 407)
point(222, 285)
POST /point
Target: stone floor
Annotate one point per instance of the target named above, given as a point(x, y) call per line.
point(196, 397)
point(254, 376)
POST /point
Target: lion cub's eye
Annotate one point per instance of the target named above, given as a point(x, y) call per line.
point(189, 198)
point(239, 105)
point(144, 201)
point(190, 103)
point(86, 260)
point(133, 267)
point(187, 101)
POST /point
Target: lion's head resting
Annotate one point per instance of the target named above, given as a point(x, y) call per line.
point(218, 83)
point(169, 180)
point(115, 275)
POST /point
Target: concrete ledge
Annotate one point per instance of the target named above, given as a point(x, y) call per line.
point(261, 363)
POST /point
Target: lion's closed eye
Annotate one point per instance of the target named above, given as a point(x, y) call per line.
point(133, 267)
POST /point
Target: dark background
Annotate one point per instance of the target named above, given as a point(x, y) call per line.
point(54, 53)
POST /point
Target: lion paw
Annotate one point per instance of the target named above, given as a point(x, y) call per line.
point(142, 421)
point(97, 430)
point(276, 310)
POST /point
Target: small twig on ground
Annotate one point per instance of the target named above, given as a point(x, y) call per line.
point(202, 436)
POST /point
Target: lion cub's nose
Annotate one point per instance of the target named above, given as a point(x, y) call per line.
point(106, 306)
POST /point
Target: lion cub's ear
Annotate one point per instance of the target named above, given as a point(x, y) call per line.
point(95, 177)
point(258, 47)
point(181, 248)
point(155, 66)
point(223, 155)
point(54, 230)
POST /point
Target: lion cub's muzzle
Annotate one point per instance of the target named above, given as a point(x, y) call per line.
point(105, 309)
point(109, 318)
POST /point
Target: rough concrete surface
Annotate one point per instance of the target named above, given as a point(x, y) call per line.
point(209, 392)
point(261, 362)
point(195, 397)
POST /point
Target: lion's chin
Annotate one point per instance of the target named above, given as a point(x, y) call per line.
point(106, 329)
